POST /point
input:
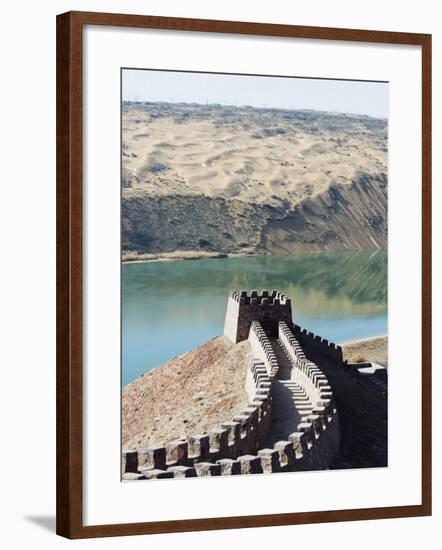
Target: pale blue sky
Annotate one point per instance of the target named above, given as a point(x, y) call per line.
point(344, 96)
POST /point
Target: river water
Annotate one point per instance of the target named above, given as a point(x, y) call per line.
point(170, 307)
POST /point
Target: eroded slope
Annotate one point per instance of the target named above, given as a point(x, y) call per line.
point(229, 180)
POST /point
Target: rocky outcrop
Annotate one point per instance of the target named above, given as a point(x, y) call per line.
point(345, 217)
point(186, 222)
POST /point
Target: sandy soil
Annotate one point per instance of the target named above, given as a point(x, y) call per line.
point(370, 349)
point(252, 155)
point(189, 394)
point(223, 179)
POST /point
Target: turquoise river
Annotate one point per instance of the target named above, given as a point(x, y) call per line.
point(170, 307)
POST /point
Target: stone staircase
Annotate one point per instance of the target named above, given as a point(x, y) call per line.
point(291, 423)
point(290, 402)
point(302, 403)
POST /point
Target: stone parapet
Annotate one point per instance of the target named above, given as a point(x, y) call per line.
point(311, 448)
point(262, 348)
point(306, 373)
point(237, 445)
point(316, 343)
point(320, 429)
point(242, 434)
point(266, 297)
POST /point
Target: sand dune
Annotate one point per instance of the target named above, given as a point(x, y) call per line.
point(212, 159)
point(263, 157)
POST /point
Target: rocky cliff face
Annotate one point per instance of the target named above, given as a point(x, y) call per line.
point(255, 181)
point(345, 217)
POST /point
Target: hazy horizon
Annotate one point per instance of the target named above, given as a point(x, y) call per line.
point(260, 92)
point(236, 106)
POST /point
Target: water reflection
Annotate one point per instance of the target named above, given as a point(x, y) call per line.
point(171, 307)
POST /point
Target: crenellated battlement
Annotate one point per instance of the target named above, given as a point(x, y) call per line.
point(314, 342)
point(261, 348)
point(266, 297)
point(281, 352)
point(199, 454)
point(268, 308)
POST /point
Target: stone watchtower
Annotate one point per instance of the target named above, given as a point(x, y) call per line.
point(269, 308)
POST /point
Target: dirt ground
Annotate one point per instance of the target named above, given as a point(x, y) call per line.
point(189, 394)
point(371, 349)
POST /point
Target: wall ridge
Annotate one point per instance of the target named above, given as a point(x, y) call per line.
point(236, 446)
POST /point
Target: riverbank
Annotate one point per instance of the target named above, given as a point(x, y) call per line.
point(134, 257)
point(374, 350)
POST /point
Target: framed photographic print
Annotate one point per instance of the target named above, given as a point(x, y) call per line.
point(243, 274)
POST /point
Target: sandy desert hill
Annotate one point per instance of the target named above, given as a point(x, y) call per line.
point(225, 179)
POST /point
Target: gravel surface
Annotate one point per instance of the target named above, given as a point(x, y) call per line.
point(371, 349)
point(189, 394)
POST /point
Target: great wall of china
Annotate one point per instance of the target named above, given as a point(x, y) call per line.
point(308, 409)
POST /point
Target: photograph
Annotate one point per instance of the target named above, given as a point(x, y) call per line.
point(254, 274)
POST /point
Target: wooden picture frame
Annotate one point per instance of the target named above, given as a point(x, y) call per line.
point(70, 272)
